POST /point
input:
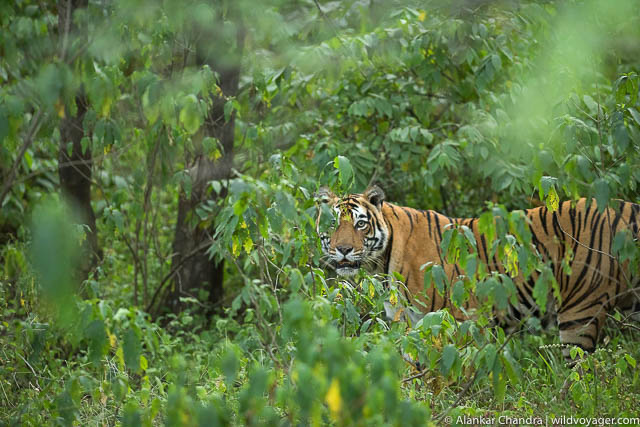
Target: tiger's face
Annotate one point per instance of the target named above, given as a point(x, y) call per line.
point(352, 230)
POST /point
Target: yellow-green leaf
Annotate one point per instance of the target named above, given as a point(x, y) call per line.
point(333, 398)
point(143, 363)
point(553, 201)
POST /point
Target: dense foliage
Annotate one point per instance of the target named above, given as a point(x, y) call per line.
point(468, 108)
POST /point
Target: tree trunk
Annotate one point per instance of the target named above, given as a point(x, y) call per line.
point(74, 163)
point(194, 269)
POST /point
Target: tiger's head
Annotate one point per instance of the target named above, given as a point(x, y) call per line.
point(352, 230)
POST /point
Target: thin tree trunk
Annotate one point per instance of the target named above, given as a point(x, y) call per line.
point(74, 163)
point(198, 271)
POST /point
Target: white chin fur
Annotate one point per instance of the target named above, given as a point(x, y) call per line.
point(346, 271)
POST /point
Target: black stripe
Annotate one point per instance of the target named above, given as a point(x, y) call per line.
point(579, 229)
point(435, 215)
point(388, 251)
point(543, 219)
point(555, 221)
point(577, 284)
point(586, 214)
point(572, 217)
point(433, 297)
point(483, 242)
point(458, 273)
point(406, 294)
point(563, 326)
point(408, 212)
point(393, 210)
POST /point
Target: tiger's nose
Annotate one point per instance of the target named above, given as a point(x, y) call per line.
point(344, 250)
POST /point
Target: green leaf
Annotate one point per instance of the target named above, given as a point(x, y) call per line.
point(228, 109)
point(431, 322)
point(485, 289)
point(449, 356)
point(115, 217)
point(621, 136)
point(541, 291)
point(457, 294)
point(229, 364)
point(591, 104)
point(501, 296)
point(634, 113)
point(132, 415)
point(296, 279)
point(4, 124)
point(144, 363)
point(601, 189)
point(151, 102)
point(489, 356)
point(575, 351)
point(546, 183)
point(345, 171)
point(468, 234)
point(621, 88)
point(98, 340)
point(439, 277)
point(132, 348)
point(210, 147)
point(472, 264)
point(486, 226)
point(630, 360)
point(621, 364)
point(446, 239)
point(51, 231)
point(496, 62)
point(120, 358)
point(190, 116)
point(287, 206)
point(509, 365)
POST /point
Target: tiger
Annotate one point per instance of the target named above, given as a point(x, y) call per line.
point(380, 237)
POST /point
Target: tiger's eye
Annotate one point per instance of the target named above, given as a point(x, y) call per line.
point(361, 224)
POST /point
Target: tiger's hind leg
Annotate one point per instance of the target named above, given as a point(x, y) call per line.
point(581, 328)
point(632, 310)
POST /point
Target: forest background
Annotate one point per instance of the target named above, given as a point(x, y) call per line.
point(159, 263)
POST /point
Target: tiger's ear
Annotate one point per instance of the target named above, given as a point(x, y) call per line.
point(374, 195)
point(324, 195)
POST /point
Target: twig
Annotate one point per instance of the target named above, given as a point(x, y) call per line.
point(30, 368)
point(583, 245)
point(418, 375)
point(262, 323)
point(326, 17)
point(173, 271)
point(5, 394)
point(34, 126)
point(623, 323)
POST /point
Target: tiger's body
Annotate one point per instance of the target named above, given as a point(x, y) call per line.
point(385, 238)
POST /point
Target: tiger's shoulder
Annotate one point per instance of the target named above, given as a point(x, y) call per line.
point(406, 220)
